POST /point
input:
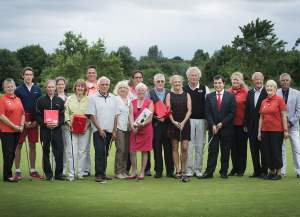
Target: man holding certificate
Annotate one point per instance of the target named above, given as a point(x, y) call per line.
point(50, 117)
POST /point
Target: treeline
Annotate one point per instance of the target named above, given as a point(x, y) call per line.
point(257, 48)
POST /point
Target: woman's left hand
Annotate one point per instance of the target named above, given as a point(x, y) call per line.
point(286, 134)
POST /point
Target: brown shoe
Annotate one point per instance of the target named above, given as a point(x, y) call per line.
point(100, 179)
point(108, 178)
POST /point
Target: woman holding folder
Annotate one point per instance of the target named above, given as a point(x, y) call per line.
point(75, 109)
point(141, 134)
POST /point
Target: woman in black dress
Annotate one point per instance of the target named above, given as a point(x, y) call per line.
point(179, 129)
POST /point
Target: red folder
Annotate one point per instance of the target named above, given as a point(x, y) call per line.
point(161, 110)
point(51, 116)
point(79, 124)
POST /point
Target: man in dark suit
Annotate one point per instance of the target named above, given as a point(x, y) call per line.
point(220, 107)
point(254, 100)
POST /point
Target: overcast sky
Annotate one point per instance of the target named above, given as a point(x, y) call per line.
point(178, 27)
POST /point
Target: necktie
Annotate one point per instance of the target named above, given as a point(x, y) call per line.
point(219, 101)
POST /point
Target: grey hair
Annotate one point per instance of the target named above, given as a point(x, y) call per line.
point(285, 74)
point(257, 74)
point(158, 75)
point(141, 86)
point(195, 69)
point(50, 81)
point(103, 78)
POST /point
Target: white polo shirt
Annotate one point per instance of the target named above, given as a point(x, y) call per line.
point(105, 110)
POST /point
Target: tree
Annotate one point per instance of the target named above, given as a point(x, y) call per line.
point(154, 54)
point(10, 66)
point(129, 63)
point(259, 48)
point(200, 59)
point(35, 57)
point(71, 44)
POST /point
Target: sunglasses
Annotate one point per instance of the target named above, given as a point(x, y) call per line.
point(160, 81)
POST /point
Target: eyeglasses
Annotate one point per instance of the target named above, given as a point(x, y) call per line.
point(138, 77)
point(160, 81)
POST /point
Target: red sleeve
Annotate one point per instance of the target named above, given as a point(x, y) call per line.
point(2, 105)
point(261, 106)
point(282, 106)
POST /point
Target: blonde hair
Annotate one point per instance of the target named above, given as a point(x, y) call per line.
point(272, 83)
point(120, 84)
point(80, 82)
point(176, 76)
point(195, 69)
point(240, 76)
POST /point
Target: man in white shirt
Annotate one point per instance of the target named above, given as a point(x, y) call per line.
point(102, 110)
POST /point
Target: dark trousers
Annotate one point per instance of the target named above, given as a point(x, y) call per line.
point(148, 165)
point(53, 139)
point(213, 150)
point(9, 144)
point(239, 150)
point(257, 154)
point(272, 142)
point(161, 141)
point(101, 146)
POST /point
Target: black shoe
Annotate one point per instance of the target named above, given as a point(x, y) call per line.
point(60, 178)
point(107, 178)
point(298, 176)
point(254, 175)
point(171, 175)
point(148, 173)
point(206, 176)
point(157, 175)
point(276, 177)
point(263, 176)
point(49, 178)
point(224, 176)
point(240, 174)
point(232, 173)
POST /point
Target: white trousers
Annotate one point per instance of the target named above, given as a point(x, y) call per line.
point(79, 153)
point(295, 143)
point(87, 163)
point(196, 146)
point(66, 141)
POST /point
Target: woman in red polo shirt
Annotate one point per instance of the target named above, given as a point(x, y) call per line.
point(272, 129)
point(12, 117)
point(239, 143)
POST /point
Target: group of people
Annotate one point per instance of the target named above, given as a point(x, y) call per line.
point(132, 117)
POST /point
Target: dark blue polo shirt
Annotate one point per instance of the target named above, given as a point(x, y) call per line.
point(27, 97)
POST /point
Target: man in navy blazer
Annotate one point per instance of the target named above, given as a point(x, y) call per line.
point(254, 99)
point(220, 107)
point(292, 99)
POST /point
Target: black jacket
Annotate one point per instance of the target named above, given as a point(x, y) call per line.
point(252, 112)
point(45, 103)
point(226, 115)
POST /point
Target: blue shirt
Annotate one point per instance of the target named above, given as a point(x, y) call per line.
point(27, 97)
point(160, 94)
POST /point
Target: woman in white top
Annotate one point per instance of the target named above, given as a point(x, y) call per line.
point(122, 140)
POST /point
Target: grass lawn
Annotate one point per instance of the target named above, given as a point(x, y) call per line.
point(237, 196)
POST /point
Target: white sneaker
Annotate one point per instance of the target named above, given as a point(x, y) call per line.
point(80, 178)
point(189, 174)
point(125, 175)
point(198, 174)
point(120, 176)
point(71, 179)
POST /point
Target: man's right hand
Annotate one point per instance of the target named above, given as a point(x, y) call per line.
point(214, 129)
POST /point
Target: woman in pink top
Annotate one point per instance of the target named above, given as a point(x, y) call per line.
point(141, 133)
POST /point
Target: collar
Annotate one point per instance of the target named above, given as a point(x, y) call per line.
point(160, 91)
point(198, 85)
point(221, 93)
point(10, 96)
point(101, 95)
point(258, 90)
